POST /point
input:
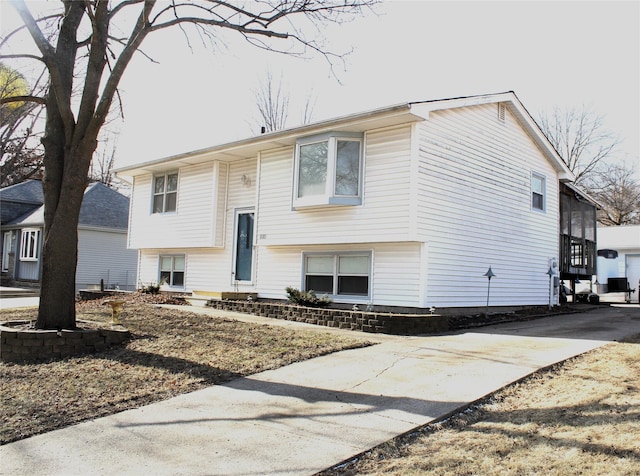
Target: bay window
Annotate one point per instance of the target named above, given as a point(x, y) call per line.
point(328, 170)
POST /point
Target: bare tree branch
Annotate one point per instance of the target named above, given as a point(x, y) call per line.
point(580, 139)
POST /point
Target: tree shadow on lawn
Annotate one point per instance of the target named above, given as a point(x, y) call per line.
point(208, 374)
point(567, 418)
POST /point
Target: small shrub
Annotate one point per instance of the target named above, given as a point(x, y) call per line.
point(307, 298)
point(151, 288)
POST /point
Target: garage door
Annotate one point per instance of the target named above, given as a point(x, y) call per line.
point(633, 275)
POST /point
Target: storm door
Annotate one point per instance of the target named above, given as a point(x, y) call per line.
point(244, 246)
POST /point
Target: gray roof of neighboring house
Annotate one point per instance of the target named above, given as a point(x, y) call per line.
point(20, 199)
point(101, 207)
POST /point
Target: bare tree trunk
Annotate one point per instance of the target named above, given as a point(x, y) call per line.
point(60, 245)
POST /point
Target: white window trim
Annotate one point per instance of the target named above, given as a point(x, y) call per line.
point(28, 236)
point(164, 193)
point(336, 254)
point(329, 198)
point(537, 175)
point(7, 249)
point(169, 286)
point(237, 213)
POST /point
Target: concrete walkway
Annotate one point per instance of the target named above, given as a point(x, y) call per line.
point(308, 416)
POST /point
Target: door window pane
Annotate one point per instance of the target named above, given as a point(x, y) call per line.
point(312, 177)
point(347, 168)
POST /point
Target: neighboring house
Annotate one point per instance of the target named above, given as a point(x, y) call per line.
point(406, 206)
point(102, 237)
point(619, 257)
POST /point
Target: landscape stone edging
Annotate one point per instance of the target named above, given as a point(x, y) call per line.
point(378, 322)
point(374, 322)
point(30, 345)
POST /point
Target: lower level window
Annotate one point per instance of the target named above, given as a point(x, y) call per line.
point(345, 274)
point(172, 270)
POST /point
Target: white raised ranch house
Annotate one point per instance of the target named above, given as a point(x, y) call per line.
point(403, 206)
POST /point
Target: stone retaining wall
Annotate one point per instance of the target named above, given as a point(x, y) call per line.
point(25, 345)
point(376, 322)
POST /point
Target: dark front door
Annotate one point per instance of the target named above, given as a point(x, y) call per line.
point(244, 247)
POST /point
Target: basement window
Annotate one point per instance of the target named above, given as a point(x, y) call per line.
point(339, 274)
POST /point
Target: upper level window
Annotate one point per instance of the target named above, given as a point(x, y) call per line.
point(537, 192)
point(29, 244)
point(165, 193)
point(329, 170)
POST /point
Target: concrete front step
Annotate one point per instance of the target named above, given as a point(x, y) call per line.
point(201, 298)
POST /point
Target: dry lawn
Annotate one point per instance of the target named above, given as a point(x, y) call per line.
point(172, 352)
point(581, 417)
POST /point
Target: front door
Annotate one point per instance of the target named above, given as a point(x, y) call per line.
point(244, 246)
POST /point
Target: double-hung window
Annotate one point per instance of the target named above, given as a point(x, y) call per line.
point(339, 274)
point(29, 244)
point(537, 192)
point(165, 192)
point(172, 270)
point(328, 170)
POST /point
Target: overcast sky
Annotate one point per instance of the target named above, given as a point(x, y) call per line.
point(565, 54)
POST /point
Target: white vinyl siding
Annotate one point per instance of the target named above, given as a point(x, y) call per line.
point(442, 200)
point(208, 268)
point(475, 209)
point(197, 219)
point(103, 255)
point(384, 213)
point(395, 271)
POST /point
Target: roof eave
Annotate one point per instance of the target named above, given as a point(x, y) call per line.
point(249, 147)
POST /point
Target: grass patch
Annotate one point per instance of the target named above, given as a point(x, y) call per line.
point(172, 352)
point(578, 417)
